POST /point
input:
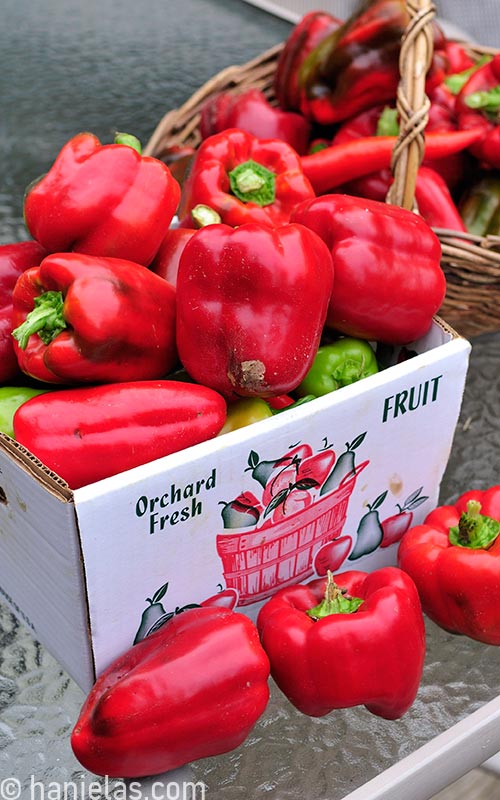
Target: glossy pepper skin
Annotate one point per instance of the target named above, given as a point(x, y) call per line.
point(251, 111)
point(356, 66)
point(244, 179)
point(306, 35)
point(453, 558)
point(251, 305)
point(338, 364)
point(371, 654)
point(332, 167)
point(85, 434)
point(14, 260)
point(477, 105)
point(84, 319)
point(435, 201)
point(124, 213)
point(194, 688)
point(378, 295)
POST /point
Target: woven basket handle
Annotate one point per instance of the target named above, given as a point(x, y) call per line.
point(412, 102)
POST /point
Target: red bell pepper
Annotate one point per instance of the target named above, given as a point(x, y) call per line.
point(355, 640)
point(166, 262)
point(178, 158)
point(194, 688)
point(89, 433)
point(307, 34)
point(84, 319)
point(251, 305)
point(454, 559)
point(377, 294)
point(334, 166)
point(103, 200)
point(244, 179)
point(477, 105)
point(251, 111)
point(357, 66)
point(14, 260)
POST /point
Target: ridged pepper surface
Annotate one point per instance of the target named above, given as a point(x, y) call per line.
point(454, 560)
point(104, 200)
point(356, 639)
point(388, 277)
point(244, 179)
point(83, 319)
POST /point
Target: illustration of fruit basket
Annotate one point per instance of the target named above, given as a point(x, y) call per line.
point(256, 563)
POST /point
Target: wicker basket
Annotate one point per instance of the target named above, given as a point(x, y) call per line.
point(471, 263)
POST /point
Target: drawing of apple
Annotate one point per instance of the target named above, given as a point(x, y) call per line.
point(332, 555)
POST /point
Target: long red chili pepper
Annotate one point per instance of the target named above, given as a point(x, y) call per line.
point(329, 168)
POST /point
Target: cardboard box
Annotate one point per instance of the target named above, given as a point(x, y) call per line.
point(92, 570)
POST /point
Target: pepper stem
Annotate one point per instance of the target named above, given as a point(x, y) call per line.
point(46, 319)
point(349, 371)
point(335, 601)
point(129, 139)
point(204, 215)
point(487, 101)
point(253, 183)
point(474, 530)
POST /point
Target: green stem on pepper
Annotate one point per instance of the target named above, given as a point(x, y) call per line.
point(253, 183)
point(474, 530)
point(335, 601)
point(129, 139)
point(46, 319)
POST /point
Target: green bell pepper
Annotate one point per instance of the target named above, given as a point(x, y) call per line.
point(338, 364)
point(11, 397)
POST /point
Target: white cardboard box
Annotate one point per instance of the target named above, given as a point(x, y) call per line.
point(91, 570)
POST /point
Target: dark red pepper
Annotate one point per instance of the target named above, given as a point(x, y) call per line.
point(89, 433)
point(244, 179)
point(102, 200)
point(193, 689)
point(251, 305)
point(83, 319)
point(14, 260)
point(357, 66)
point(307, 34)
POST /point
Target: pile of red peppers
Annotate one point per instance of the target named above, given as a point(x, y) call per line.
point(283, 245)
point(137, 337)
